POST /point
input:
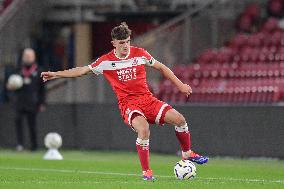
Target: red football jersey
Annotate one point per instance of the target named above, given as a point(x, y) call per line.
point(127, 76)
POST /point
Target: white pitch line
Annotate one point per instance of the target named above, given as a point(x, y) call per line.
point(244, 180)
point(67, 171)
point(53, 182)
point(137, 175)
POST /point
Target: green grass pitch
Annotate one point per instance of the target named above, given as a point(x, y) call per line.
point(27, 170)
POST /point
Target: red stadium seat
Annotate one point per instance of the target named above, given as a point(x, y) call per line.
point(238, 41)
point(250, 69)
point(270, 25)
point(245, 23)
point(276, 7)
point(253, 10)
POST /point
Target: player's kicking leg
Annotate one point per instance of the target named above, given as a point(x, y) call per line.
point(141, 126)
point(183, 135)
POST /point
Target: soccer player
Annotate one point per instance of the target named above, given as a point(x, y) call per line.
point(124, 68)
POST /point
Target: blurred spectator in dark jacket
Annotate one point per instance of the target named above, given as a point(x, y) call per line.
point(30, 98)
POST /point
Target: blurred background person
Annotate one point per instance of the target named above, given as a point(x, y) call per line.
point(30, 98)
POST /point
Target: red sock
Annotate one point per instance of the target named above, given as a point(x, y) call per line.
point(142, 147)
point(183, 137)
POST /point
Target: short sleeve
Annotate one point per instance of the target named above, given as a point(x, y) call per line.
point(96, 66)
point(150, 61)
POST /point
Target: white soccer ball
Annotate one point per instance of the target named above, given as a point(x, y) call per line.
point(15, 81)
point(184, 169)
point(53, 140)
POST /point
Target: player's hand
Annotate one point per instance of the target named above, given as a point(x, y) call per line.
point(186, 89)
point(48, 76)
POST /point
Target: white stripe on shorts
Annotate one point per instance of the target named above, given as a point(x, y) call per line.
point(159, 115)
point(131, 113)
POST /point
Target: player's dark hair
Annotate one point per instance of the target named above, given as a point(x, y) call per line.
point(120, 32)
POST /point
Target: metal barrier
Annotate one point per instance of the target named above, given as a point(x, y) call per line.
point(240, 131)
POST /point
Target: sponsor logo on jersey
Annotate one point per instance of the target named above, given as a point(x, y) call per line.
point(113, 64)
point(126, 74)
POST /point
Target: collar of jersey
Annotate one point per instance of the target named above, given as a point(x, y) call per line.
point(122, 58)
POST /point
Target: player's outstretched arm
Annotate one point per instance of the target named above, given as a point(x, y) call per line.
point(74, 72)
point(184, 88)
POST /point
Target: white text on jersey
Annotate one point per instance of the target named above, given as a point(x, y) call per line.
point(126, 74)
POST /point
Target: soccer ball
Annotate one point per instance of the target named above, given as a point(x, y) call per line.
point(53, 140)
point(15, 81)
point(184, 169)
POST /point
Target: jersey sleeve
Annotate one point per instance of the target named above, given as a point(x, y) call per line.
point(96, 66)
point(150, 61)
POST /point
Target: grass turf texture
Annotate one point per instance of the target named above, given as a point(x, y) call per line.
point(122, 170)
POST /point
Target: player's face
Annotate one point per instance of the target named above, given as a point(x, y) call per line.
point(122, 46)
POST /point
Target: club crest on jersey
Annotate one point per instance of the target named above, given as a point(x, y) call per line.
point(126, 74)
point(145, 147)
point(113, 64)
